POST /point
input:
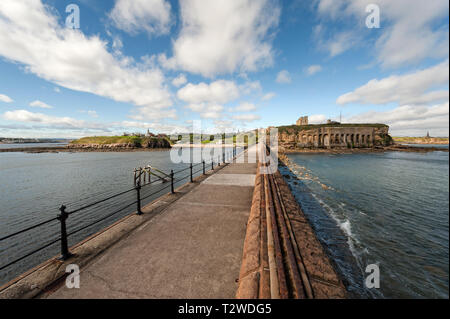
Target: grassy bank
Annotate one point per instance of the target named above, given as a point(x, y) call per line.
point(102, 140)
point(421, 140)
point(135, 141)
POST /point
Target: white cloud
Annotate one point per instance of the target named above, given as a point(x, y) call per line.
point(244, 107)
point(246, 117)
point(410, 120)
point(91, 113)
point(149, 113)
point(30, 35)
point(410, 29)
point(313, 69)
point(317, 119)
point(179, 80)
point(5, 98)
point(44, 125)
point(133, 16)
point(224, 36)
point(220, 91)
point(268, 96)
point(283, 77)
point(207, 110)
point(406, 120)
point(40, 104)
point(57, 89)
point(413, 88)
point(26, 116)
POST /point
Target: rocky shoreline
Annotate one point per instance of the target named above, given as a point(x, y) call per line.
point(377, 149)
point(78, 148)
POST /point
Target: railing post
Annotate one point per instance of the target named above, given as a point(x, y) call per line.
point(190, 167)
point(171, 181)
point(65, 254)
point(138, 192)
point(204, 171)
point(218, 160)
point(212, 163)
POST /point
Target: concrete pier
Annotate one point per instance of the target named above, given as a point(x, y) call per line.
point(233, 232)
point(192, 249)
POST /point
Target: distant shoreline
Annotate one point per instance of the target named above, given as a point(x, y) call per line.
point(65, 149)
point(422, 140)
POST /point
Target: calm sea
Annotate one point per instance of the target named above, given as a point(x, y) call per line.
point(34, 186)
point(28, 145)
point(389, 209)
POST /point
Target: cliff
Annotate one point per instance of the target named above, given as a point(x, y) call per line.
point(334, 135)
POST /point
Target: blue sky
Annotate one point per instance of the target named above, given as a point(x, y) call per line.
point(233, 64)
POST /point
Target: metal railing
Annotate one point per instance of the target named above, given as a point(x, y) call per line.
point(64, 215)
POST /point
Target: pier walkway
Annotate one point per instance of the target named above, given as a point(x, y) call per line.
point(192, 249)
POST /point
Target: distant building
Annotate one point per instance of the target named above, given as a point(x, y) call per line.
point(302, 121)
point(332, 122)
point(428, 134)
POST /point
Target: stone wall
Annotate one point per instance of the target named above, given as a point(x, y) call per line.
point(334, 136)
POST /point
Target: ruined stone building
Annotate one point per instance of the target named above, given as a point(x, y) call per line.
point(302, 121)
point(333, 135)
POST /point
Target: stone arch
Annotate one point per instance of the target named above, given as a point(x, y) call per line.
point(326, 140)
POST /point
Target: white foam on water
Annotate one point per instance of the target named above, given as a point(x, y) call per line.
point(347, 228)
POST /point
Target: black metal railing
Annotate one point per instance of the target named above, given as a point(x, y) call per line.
point(64, 234)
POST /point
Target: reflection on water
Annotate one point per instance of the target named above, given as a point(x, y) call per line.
point(393, 211)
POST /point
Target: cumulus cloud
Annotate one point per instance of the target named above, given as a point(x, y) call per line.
point(313, 69)
point(246, 117)
point(411, 30)
point(26, 116)
point(244, 107)
point(410, 120)
point(42, 125)
point(317, 119)
point(5, 98)
point(224, 36)
point(283, 77)
point(133, 16)
point(31, 35)
point(413, 88)
point(179, 80)
point(220, 91)
point(40, 104)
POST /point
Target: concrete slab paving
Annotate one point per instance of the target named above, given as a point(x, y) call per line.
point(231, 179)
point(191, 250)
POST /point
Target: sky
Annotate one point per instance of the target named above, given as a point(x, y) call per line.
point(133, 65)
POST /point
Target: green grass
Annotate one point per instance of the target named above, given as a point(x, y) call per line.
point(411, 139)
point(109, 140)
